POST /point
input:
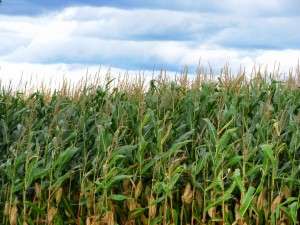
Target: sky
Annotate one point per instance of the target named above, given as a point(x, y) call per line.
point(48, 39)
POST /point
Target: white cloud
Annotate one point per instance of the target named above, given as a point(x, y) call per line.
point(247, 8)
point(33, 75)
point(59, 42)
point(265, 33)
point(288, 59)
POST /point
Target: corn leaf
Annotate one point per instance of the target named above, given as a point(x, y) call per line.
point(118, 197)
point(247, 200)
point(212, 130)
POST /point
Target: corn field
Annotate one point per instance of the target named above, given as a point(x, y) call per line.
point(182, 151)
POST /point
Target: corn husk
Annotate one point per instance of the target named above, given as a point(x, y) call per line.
point(138, 189)
point(187, 196)
point(51, 214)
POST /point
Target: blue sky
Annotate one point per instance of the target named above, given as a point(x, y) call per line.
point(66, 37)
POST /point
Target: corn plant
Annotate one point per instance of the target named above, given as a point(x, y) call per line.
point(174, 151)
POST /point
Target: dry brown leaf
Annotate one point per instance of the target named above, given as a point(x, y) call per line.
point(276, 201)
point(237, 212)
point(108, 219)
point(13, 215)
point(276, 129)
point(6, 208)
point(152, 209)
point(95, 220)
point(287, 193)
point(187, 196)
point(89, 202)
point(138, 189)
point(266, 210)
point(199, 198)
point(58, 195)
point(88, 221)
point(125, 184)
point(262, 199)
point(37, 189)
point(212, 212)
point(131, 204)
point(144, 219)
point(51, 214)
point(147, 192)
point(112, 206)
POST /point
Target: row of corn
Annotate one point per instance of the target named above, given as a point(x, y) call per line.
point(181, 151)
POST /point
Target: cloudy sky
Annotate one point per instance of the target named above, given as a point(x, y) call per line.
point(47, 38)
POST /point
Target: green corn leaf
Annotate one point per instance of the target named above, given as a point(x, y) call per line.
point(36, 208)
point(260, 187)
point(136, 212)
point(88, 187)
point(286, 211)
point(7, 167)
point(212, 130)
point(226, 116)
point(100, 185)
point(21, 159)
point(118, 197)
point(174, 179)
point(175, 214)
point(184, 136)
point(58, 220)
point(267, 150)
point(149, 164)
point(261, 132)
point(238, 179)
point(158, 200)
point(232, 161)
point(251, 153)
point(223, 141)
point(289, 179)
point(65, 156)
point(140, 152)
point(18, 186)
point(156, 187)
point(61, 179)
point(40, 172)
point(212, 185)
point(156, 220)
point(115, 158)
point(289, 200)
point(166, 189)
point(123, 150)
point(254, 169)
point(175, 147)
point(29, 175)
point(5, 132)
point(293, 209)
point(247, 200)
point(225, 126)
point(214, 203)
point(73, 135)
point(200, 165)
point(227, 193)
point(115, 179)
point(28, 220)
point(111, 172)
point(216, 219)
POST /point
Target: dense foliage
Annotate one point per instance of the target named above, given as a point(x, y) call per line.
point(174, 152)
